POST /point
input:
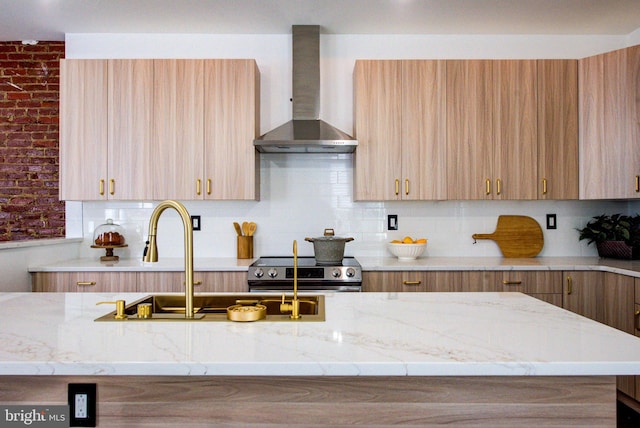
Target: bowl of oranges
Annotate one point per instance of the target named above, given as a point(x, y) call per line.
point(407, 248)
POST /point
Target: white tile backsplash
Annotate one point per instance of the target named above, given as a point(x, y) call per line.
point(304, 194)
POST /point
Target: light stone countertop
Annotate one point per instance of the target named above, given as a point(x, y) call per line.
point(137, 265)
point(368, 334)
point(624, 267)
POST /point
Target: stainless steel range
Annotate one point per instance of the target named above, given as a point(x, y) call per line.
point(276, 274)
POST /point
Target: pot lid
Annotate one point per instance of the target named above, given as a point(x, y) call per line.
point(329, 235)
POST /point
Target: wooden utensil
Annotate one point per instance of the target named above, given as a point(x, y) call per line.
point(236, 226)
point(516, 235)
point(245, 228)
point(252, 228)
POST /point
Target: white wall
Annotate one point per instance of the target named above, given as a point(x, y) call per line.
point(16, 257)
point(302, 194)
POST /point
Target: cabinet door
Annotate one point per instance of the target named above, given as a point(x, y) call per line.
point(558, 167)
point(619, 306)
point(470, 131)
point(608, 120)
point(515, 124)
point(178, 131)
point(130, 129)
point(83, 129)
point(423, 130)
point(584, 293)
point(231, 123)
point(378, 128)
point(99, 282)
point(636, 325)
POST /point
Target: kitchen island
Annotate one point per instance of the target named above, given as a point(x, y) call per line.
point(379, 359)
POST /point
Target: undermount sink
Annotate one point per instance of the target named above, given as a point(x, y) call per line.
point(213, 307)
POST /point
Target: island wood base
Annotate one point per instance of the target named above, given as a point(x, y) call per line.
point(263, 401)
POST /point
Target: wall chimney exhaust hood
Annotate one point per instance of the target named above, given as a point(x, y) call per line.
point(306, 133)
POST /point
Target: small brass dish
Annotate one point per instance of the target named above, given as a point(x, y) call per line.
point(244, 313)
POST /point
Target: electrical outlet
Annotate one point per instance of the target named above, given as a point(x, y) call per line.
point(392, 222)
point(80, 410)
point(195, 222)
point(551, 221)
point(82, 401)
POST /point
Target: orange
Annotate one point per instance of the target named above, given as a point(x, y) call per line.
point(407, 240)
point(421, 241)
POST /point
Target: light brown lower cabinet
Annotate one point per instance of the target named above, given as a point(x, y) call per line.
point(608, 298)
point(98, 282)
point(144, 282)
point(636, 327)
point(584, 293)
point(204, 282)
point(544, 285)
point(409, 281)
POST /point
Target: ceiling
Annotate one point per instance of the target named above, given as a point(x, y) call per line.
point(51, 19)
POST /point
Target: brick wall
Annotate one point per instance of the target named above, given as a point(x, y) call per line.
point(29, 101)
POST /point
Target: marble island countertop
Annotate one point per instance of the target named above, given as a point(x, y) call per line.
point(377, 334)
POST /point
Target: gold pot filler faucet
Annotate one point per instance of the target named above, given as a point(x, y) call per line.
point(151, 250)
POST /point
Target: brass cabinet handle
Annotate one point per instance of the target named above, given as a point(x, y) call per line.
point(85, 283)
point(637, 183)
point(208, 186)
point(397, 186)
point(505, 282)
point(198, 183)
point(112, 186)
point(569, 285)
point(544, 186)
point(411, 282)
point(406, 186)
point(498, 190)
point(488, 186)
point(101, 187)
point(637, 315)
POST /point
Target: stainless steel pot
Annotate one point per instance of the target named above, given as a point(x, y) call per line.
point(328, 249)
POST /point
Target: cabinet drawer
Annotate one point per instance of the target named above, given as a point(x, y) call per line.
point(204, 282)
point(84, 282)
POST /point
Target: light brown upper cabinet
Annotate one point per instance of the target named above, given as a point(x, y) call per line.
point(106, 122)
point(399, 111)
point(106, 118)
point(231, 122)
point(558, 167)
point(159, 129)
point(491, 129)
point(83, 129)
point(179, 129)
point(130, 118)
point(609, 115)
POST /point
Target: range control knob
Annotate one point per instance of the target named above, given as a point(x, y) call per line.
point(259, 273)
point(336, 273)
point(272, 273)
point(351, 272)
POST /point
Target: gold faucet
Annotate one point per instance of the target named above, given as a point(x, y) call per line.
point(151, 250)
point(294, 306)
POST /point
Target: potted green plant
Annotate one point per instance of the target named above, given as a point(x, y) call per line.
point(616, 236)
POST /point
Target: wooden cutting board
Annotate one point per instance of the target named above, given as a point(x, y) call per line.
point(516, 235)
